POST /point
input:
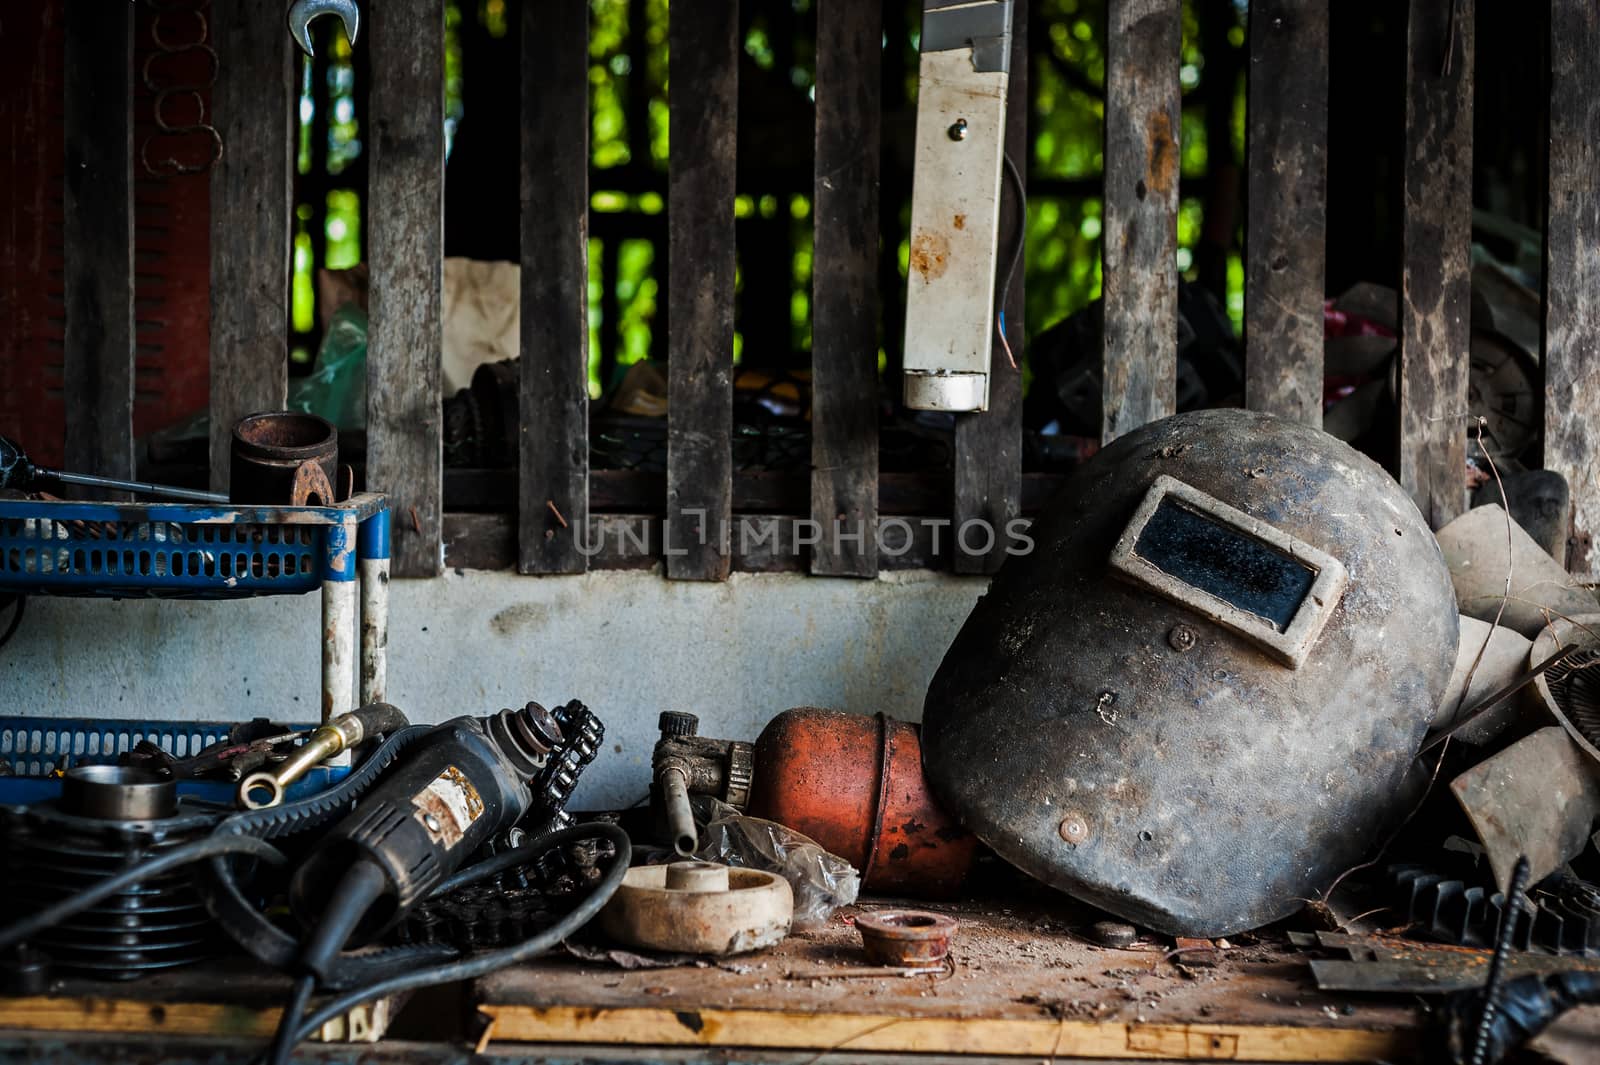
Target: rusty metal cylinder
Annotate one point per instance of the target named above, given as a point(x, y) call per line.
point(854, 784)
point(270, 447)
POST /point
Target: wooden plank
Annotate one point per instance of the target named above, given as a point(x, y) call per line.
point(251, 205)
point(1285, 226)
point(405, 456)
point(703, 42)
point(844, 330)
point(867, 1032)
point(553, 497)
point(137, 1017)
point(988, 452)
point(97, 239)
point(1436, 271)
point(1140, 375)
point(1572, 270)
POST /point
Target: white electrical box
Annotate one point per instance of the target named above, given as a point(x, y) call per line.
point(955, 203)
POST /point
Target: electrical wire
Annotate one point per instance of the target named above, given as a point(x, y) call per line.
point(19, 601)
point(1021, 190)
point(490, 961)
point(363, 884)
point(209, 847)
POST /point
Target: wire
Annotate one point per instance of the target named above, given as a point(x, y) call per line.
point(483, 964)
point(363, 884)
point(1017, 246)
point(16, 619)
point(209, 847)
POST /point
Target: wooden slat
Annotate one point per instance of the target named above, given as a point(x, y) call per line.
point(405, 247)
point(844, 345)
point(1436, 273)
point(97, 239)
point(1140, 382)
point(861, 1033)
point(251, 193)
point(1572, 271)
point(553, 499)
point(1286, 223)
point(702, 40)
point(988, 451)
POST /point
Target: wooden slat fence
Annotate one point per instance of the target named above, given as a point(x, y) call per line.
point(559, 526)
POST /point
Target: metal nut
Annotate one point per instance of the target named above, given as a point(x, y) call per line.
point(1182, 638)
point(1074, 829)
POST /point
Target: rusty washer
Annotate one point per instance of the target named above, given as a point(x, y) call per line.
point(906, 939)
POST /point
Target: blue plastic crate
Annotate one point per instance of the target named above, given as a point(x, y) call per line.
point(171, 550)
point(36, 747)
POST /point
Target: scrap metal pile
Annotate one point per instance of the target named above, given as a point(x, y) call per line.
point(1237, 675)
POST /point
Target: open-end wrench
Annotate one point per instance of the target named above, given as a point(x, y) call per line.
point(303, 12)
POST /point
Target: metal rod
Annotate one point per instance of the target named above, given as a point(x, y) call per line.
point(89, 480)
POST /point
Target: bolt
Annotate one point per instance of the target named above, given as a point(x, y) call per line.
point(1182, 638)
point(430, 822)
point(1074, 829)
point(958, 130)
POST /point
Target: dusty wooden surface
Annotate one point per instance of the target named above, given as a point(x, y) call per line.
point(1140, 377)
point(988, 452)
point(97, 240)
point(1021, 979)
point(1436, 238)
point(1572, 270)
point(844, 346)
point(553, 495)
point(1286, 224)
point(405, 245)
point(703, 39)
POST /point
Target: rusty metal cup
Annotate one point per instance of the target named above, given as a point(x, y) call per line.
point(270, 447)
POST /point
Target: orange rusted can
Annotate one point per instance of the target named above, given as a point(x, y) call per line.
point(855, 785)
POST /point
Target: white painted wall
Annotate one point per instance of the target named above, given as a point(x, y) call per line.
point(628, 644)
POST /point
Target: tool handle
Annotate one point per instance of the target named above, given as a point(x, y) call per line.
point(89, 480)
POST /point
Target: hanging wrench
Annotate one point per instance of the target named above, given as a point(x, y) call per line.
point(302, 12)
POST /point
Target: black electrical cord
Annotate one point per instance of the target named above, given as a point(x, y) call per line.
point(19, 601)
point(209, 847)
point(490, 961)
point(362, 885)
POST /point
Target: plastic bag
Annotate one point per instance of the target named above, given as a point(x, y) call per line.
point(822, 882)
point(336, 388)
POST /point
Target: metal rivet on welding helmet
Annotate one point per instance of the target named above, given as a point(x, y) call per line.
point(1195, 701)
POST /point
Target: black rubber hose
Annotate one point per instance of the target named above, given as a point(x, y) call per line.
point(200, 849)
point(490, 961)
point(362, 884)
point(381, 717)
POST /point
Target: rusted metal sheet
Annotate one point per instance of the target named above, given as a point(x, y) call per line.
point(1538, 797)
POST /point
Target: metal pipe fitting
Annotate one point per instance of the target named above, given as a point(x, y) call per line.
point(673, 781)
point(340, 734)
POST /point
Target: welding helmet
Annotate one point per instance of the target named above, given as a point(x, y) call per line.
point(1195, 701)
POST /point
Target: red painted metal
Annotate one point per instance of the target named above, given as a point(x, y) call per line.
point(855, 785)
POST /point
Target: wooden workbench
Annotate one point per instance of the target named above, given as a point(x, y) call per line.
point(1021, 983)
